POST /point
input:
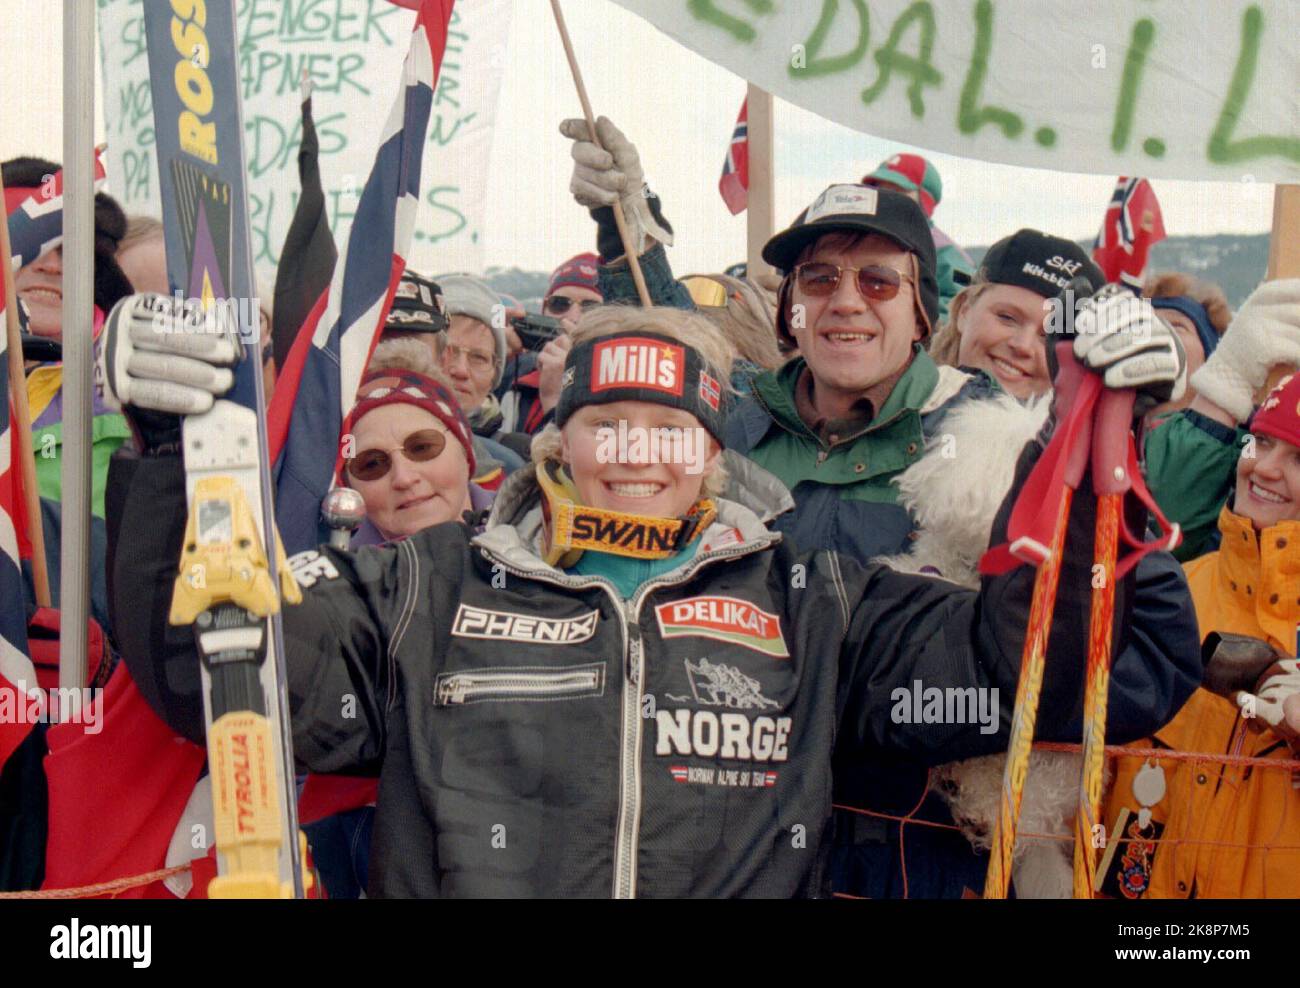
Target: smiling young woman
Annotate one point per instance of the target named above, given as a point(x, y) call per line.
point(998, 323)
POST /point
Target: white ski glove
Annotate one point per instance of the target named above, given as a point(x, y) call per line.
point(1276, 700)
point(612, 173)
point(1121, 338)
point(1264, 333)
point(165, 357)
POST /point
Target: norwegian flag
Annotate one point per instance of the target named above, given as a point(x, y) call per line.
point(17, 674)
point(36, 215)
point(318, 384)
point(734, 183)
point(1132, 225)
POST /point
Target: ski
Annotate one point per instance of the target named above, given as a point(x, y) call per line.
point(1066, 462)
point(232, 573)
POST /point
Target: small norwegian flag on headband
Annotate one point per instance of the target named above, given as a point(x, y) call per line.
point(36, 214)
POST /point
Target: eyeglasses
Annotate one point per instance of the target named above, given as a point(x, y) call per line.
point(875, 281)
point(560, 304)
point(420, 447)
point(478, 360)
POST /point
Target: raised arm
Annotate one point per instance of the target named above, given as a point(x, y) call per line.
point(335, 640)
point(1191, 458)
point(612, 173)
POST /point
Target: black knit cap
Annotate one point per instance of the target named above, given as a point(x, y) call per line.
point(861, 209)
point(642, 366)
point(1039, 262)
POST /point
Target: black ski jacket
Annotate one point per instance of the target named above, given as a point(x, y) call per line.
point(538, 735)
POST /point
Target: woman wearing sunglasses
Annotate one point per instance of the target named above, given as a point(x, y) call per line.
point(407, 447)
point(574, 289)
point(626, 685)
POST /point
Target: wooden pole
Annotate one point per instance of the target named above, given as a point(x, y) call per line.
point(761, 209)
point(1283, 256)
point(1284, 245)
point(22, 424)
point(620, 221)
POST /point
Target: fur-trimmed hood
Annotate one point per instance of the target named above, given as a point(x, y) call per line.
point(954, 491)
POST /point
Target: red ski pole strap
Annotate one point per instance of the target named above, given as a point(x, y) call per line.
point(1092, 413)
point(1173, 532)
point(1062, 464)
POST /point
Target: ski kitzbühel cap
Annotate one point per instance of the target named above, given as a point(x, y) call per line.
point(1040, 262)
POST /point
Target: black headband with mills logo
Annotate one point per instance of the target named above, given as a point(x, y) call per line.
point(641, 367)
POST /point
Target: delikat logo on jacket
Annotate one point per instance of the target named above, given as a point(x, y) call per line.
point(726, 619)
point(636, 362)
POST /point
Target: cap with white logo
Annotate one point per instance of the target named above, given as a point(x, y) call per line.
point(1039, 262)
point(851, 209)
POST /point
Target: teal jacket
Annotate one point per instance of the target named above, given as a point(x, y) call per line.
point(1190, 462)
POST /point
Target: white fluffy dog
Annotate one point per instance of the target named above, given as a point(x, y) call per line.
point(953, 493)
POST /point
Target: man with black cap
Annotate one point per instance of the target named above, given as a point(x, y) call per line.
point(837, 425)
point(419, 311)
point(839, 422)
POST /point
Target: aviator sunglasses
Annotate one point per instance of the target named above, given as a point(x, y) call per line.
point(875, 281)
point(560, 304)
point(419, 447)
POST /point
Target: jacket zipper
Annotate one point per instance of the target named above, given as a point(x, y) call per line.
point(629, 781)
point(631, 731)
point(516, 683)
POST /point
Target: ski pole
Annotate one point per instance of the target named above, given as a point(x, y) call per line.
point(1110, 446)
point(1041, 609)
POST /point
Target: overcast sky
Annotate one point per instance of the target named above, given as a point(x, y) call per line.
point(679, 109)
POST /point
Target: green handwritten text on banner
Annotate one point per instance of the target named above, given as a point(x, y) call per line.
point(1193, 89)
point(353, 51)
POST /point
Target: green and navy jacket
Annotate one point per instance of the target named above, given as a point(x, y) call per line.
point(844, 493)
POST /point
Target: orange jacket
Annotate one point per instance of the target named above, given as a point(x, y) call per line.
point(1245, 822)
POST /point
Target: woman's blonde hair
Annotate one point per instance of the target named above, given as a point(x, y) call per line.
point(686, 327)
point(945, 347)
point(747, 319)
point(408, 354)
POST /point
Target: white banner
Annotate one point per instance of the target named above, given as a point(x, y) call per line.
point(353, 51)
point(1190, 89)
